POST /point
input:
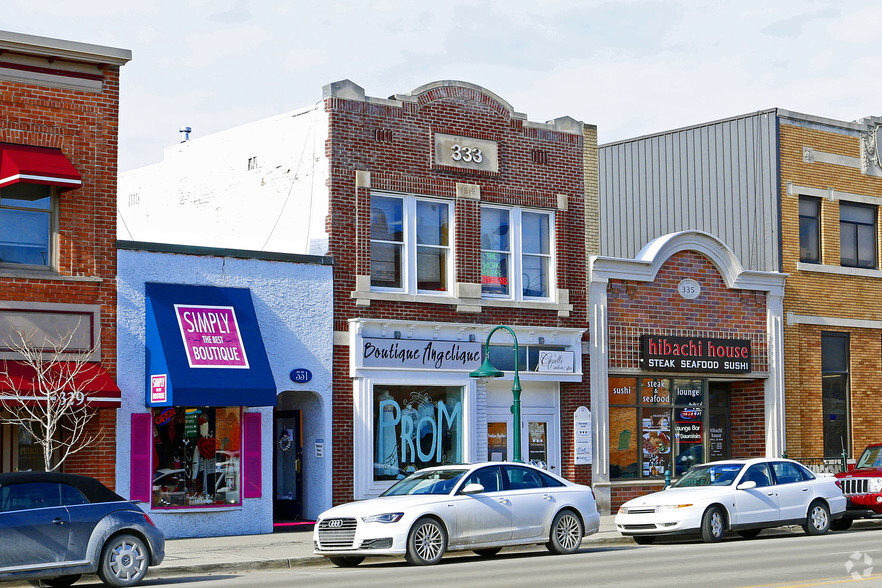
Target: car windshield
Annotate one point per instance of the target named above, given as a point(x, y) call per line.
point(709, 475)
point(872, 457)
point(427, 482)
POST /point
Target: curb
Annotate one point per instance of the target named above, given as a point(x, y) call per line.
point(320, 560)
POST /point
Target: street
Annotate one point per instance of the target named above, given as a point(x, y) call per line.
point(772, 560)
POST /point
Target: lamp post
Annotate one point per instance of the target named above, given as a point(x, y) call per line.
point(488, 371)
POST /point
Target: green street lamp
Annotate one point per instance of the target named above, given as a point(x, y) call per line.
point(488, 371)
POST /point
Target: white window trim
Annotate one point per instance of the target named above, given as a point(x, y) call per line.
point(363, 418)
point(53, 244)
point(516, 285)
point(409, 261)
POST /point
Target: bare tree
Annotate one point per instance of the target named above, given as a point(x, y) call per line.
point(53, 407)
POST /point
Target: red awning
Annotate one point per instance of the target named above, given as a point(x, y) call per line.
point(37, 165)
point(92, 380)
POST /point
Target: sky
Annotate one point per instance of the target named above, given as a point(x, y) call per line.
point(630, 67)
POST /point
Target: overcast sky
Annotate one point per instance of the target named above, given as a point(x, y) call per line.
point(629, 67)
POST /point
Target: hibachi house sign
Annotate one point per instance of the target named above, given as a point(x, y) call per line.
point(695, 354)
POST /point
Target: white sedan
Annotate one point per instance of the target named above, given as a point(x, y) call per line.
point(482, 507)
point(744, 495)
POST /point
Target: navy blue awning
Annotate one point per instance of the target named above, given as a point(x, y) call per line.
point(204, 348)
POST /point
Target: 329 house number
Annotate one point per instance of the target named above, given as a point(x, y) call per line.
point(465, 153)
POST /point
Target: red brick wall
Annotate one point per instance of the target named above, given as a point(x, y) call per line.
point(658, 305)
point(404, 165)
point(655, 307)
point(747, 418)
point(622, 494)
point(84, 125)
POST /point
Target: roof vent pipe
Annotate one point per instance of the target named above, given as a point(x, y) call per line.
point(185, 133)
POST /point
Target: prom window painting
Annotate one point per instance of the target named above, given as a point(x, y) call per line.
point(416, 427)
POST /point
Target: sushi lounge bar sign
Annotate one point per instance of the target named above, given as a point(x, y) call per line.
point(695, 354)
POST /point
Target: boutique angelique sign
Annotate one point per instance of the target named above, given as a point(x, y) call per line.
point(419, 354)
point(695, 354)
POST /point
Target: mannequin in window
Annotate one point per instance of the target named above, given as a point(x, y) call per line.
point(386, 450)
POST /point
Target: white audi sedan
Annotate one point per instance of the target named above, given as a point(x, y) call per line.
point(482, 508)
point(744, 495)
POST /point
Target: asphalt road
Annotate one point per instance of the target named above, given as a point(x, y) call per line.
point(769, 561)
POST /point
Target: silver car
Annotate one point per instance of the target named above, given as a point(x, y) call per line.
point(482, 507)
point(56, 527)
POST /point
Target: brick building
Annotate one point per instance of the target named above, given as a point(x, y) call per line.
point(58, 168)
point(447, 214)
point(831, 191)
point(790, 196)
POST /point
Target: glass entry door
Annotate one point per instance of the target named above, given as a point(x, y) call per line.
point(287, 466)
point(539, 441)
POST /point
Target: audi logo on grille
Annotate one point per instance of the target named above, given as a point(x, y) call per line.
point(335, 523)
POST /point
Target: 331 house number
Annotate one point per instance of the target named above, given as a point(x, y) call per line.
point(467, 154)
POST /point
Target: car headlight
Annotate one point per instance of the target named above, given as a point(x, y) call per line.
point(671, 507)
point(874, 485)
point(387, 517)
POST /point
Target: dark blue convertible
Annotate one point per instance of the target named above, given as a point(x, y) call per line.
point(56, 527)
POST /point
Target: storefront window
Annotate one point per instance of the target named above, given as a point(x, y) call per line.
point(196, 456)
point(416, 427)
point(835, 397)
point(662, 424)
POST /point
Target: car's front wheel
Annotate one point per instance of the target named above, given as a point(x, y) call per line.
point(60, 581)
point(566, 533)
point(426, 542)
point(345, 561)
point(713, 525)
point(124, 561)
point(643, 539)
point(818, 520)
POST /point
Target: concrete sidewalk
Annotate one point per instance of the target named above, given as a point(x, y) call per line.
point(289, 549)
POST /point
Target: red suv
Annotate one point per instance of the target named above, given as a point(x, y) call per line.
point(863, 487)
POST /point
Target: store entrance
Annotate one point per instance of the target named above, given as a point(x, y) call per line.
point(539, 442)
point(287, 466)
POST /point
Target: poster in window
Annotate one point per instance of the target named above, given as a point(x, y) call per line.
point(656, 441)
point(494, 272)
point(538, 446)
point(497, 442)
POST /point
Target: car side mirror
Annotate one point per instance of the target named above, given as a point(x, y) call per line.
point(746, 485)
point(472, 489)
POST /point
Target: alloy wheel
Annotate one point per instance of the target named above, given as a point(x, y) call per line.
point(568, 532)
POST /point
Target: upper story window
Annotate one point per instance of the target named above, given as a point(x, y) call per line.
point(857, 235)
point(516, 253)
point(809, 229)
point(410, 244)
point(26, 219)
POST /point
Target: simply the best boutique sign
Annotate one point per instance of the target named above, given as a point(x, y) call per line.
point(211, 336)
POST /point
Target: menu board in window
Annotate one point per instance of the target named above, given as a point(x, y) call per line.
point(718, 437)
point(656, 427)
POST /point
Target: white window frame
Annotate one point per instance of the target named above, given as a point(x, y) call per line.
point(364, 484)
point(516, 285)
point(409, 254)
point(52, 261)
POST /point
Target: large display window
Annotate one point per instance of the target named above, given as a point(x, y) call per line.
point(196, 456)
point(665, 424)
point(416, 427)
